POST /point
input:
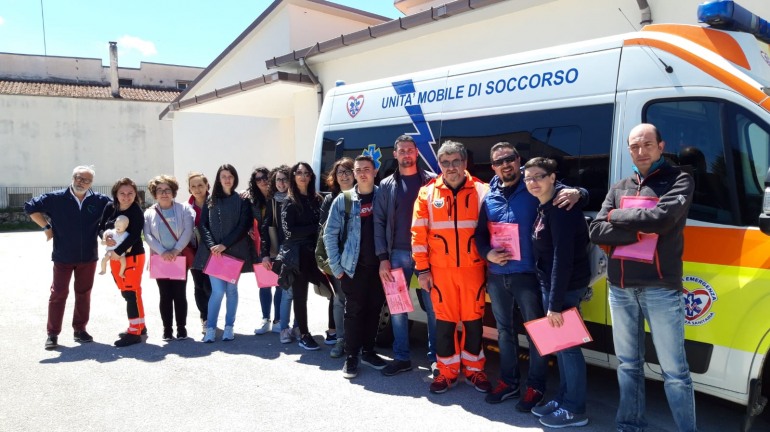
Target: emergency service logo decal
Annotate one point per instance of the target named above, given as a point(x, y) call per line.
point(374, 152)
point(438, 202)
point(355, 103)
point(699, 297)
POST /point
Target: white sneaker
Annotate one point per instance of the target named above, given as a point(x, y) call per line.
point(229, 334)
point(265, 327)
point(276, 326)
point(211, 335)
point(286, 336)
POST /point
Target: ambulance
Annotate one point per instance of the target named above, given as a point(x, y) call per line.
point(707, 90)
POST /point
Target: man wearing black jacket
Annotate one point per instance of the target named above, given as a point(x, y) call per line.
point(649, 291)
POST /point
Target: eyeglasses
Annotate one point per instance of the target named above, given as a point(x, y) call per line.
point(302, 173)
point(505, 160)
point(535, 178)
point(82, 180)
point(281, 179)
point(344, 172)
point(260, 179)
point(163, 192)
point(456, 163)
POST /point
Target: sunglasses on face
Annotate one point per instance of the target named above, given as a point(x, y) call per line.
point(302, 173)
point(504, 160)
point(260, 179)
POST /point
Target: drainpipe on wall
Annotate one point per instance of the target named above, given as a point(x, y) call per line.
point(314, 78)
point(115, 89)
point(644, 8)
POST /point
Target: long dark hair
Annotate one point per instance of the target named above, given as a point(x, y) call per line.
point(255, 193)
point(218, 192)
point(285, 170)
point(125, 181)
point(294, 193)
point(331, 177)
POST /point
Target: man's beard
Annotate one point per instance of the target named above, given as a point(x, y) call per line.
point(406, 163)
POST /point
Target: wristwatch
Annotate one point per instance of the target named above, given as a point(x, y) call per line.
point(47, 227)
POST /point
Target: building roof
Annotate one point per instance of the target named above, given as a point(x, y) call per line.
point(88, 91)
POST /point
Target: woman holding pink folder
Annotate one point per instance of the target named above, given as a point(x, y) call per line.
point(168, 228)
point(560, 243)
point(225, 222)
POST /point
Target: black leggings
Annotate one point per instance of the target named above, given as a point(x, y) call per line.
point(307, 267)
point(202, 292)
point(173, 299)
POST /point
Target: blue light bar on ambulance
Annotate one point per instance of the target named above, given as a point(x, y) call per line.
point(728, 15)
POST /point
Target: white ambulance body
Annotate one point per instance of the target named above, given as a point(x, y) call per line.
point(706, 90)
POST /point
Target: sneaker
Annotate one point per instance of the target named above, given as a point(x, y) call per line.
point(123, 334)
point(204, 327)
point(276, 326)
point(211, 335)
point(52, 342)
point(531, 398)
point(397, 366)
point(286, 336)
point(181, 332)
point(563, 418)
point(441, 384)
point(168, 334)
point(434, 369)
point(350, 369)
point(373, 360)
point(502, 392)
point(82, 336)
point(545, 409)
point(338, 350)
point(128, 339)
point(264, 328)
point(331, 338)
point(307, 342)
point(296, 334)
point(229, 334)
point(479, 381)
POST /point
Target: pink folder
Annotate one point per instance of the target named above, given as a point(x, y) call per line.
point(224, 267)
point(162, 269)
point(505, 235)
point(265, 278)
point(397, 293)
point(644, 249)
point(549, 339)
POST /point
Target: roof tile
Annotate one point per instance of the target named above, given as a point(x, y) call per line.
point(89, 91)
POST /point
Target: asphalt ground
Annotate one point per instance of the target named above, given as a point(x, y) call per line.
point(253, 383)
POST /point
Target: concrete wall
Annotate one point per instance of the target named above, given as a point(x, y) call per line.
point(43, 138)
point(203, 142)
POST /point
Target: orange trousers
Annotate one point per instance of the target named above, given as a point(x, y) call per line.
point(459, 295)
point(131, 289)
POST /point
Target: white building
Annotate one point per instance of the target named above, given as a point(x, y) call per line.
point(60, 112)
point(257, 103)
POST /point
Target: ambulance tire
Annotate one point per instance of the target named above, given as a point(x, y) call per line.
point(385, 336)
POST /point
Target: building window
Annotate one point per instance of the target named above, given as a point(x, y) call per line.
point(125, 82)
point(182, 85)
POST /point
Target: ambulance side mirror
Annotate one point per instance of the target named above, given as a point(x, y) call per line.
point(764, 217)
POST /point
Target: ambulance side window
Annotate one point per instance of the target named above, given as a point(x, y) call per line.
point(724, 147)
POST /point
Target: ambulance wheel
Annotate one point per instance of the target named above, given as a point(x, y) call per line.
point(384, 329)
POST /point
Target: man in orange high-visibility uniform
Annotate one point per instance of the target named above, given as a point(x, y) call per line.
point(448, 265)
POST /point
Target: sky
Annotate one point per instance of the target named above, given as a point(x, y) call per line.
point(158, 31)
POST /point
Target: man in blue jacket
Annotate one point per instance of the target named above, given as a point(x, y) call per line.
point(70, 217)
point(513, 282)
point(393, 210)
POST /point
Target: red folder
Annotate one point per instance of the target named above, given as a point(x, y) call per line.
point(549, 339)
point(162, 269)
point(397, 293)
point(265, 278)
point(505, 235)
point(224, 267)
point(644, 249)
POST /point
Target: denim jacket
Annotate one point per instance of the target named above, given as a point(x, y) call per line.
point(344, 260)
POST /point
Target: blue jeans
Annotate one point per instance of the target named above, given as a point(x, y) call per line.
point(505, 292)
point(572, 364)
point(286, 298)
point(403, 259)
point(218, 290)
point(664, 311)
point(266, 298)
